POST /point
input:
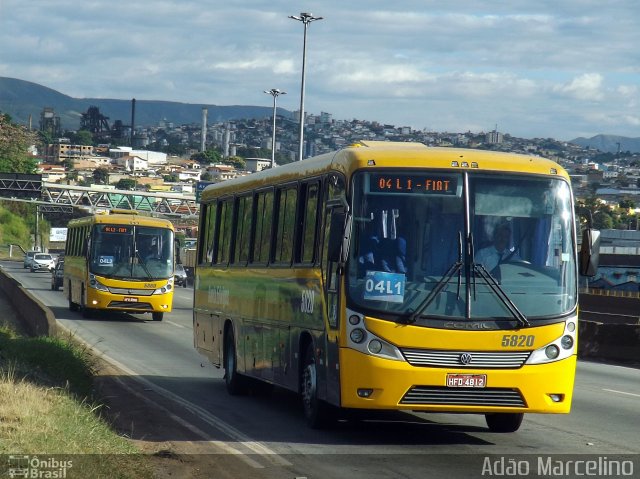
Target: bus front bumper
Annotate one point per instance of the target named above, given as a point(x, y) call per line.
point(129, 303)
point(369, 382)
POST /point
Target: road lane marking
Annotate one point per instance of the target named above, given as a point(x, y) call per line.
point(175, 324)
point(221, 444)
point(621, 392)
point(201, 413)
point(236, 435)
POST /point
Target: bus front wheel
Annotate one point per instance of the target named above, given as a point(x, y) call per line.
point(236, 384)
point(157, 316)
point(504, 422)
point(72, 306)
point(316, 412)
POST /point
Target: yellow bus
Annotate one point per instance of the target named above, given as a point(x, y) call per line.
point(395, 276)
point(120, 261)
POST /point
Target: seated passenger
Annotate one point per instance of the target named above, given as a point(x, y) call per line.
point(384, 251)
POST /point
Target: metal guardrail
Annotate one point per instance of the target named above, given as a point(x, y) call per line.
point(56, 197)
point(610, 292)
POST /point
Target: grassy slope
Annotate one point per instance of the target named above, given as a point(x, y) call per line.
point(46, 407)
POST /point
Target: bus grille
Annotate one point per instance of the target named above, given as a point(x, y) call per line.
point(440, 395)
point(129, 305)
point(132, 292)
point(479, 359)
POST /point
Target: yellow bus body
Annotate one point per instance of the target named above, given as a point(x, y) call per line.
point(132, 296)
point(260, 304)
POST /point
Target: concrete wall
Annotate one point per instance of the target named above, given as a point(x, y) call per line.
point(36, 317)
point(612, 331)
point(611, 342)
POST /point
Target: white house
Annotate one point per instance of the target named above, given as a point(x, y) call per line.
point(152, 157)
point(133, 163)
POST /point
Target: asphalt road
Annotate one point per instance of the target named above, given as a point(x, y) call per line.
point(265, 435)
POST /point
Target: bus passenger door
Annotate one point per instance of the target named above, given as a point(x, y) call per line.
point(206, 329)
point(331, 250)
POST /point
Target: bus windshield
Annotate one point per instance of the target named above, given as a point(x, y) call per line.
point(131, 252)
point(461, 246)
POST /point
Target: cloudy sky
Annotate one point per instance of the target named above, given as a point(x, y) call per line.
point(535, 68)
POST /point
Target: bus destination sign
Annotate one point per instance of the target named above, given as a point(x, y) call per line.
point(414, 183)
point(116, 229)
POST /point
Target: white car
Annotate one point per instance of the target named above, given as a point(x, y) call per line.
point(42, 262)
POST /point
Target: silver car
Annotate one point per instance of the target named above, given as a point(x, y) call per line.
point(28, 258)
point(180, 276)
point(42, 262)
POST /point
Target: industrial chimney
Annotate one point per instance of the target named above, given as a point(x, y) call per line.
point(203, 135)
point(133, 119)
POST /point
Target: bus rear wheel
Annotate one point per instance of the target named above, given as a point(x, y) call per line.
point(157, 316)
point(317, 413)
point(504, 422)
point(236, 383)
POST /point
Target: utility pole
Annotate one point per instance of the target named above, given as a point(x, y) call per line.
point(306, 19)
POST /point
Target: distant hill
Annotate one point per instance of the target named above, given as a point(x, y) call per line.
point(609, 143)
point(21, 98)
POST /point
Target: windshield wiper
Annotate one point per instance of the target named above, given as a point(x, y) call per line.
point(142, 263)
point(440, 285)
point(501, 294)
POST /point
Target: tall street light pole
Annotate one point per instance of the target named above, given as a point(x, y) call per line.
point(274, 92)
point(306, 19)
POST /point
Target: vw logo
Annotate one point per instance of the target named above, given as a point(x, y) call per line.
point(465, 358)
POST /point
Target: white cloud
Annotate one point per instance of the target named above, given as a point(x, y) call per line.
point(585, 87)
point(535, 68)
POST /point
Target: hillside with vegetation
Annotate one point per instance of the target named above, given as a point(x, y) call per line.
point(23, 100)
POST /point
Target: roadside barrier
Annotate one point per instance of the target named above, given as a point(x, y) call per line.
point(37, 318)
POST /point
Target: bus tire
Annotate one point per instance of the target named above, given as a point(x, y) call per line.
point(157, 316)
point(504, 422)
point(317, 413)
point(72, 306)
point(236, 383)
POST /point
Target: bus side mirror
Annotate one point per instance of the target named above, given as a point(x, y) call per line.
point(336, 235)
point(589, 255)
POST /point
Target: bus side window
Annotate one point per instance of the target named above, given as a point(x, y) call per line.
point(243, 229)
point(309, 223)
point(286, 221)
point(262, 230)
point(208, 225)
point(222, 245)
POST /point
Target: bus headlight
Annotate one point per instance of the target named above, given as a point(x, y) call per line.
point(165, 289)
point(552, 351)
point(566, 342)
point(375, 346)
point(357, 335)
point(561, 348)
point(368, 343)
point(95, 284)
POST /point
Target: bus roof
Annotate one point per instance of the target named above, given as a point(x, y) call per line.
point(121, 219)
point(386, 154)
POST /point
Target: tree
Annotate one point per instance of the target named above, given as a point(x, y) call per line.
point(15, 141)
point(206, 176)
point(602, 220)
point(207, 157)
point(172, 178)
point(101, 176)
point(627, 203)
point(126, 184)
point(84, 137)
point(236, 161)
